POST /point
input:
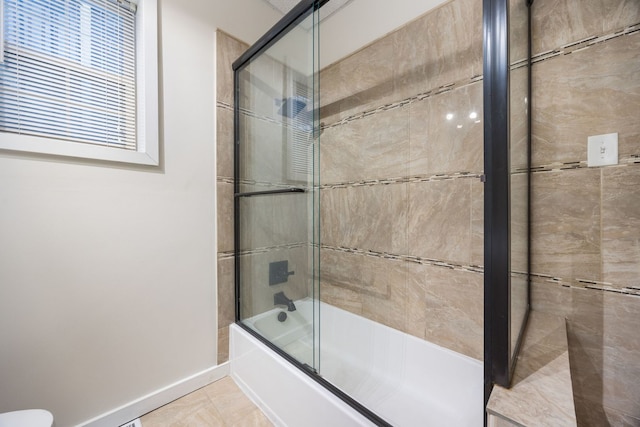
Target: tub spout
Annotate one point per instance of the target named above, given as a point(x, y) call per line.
point(281, 299)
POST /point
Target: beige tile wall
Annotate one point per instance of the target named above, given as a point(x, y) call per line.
point(275, 222)
point(401, 200)
point(228, 49)
point(586, 221)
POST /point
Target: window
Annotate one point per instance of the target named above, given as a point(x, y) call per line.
point(79, 78)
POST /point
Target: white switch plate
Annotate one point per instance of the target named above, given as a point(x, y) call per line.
point(602, 150)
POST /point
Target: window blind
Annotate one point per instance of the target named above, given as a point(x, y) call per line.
point(68, 70)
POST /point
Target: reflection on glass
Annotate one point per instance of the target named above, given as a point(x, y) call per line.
point(519, 182)
point(277, 97)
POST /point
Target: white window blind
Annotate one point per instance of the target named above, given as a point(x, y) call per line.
point(68, 70)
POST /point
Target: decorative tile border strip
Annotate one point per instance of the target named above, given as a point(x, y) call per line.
point(633, 290)
point(261, 250)
point(405, 258)
point(402, 180)
point(585, 43)
point(633, 159)
point(285, 123)
point(224, 105)
point(407, 101)
point(262, 184)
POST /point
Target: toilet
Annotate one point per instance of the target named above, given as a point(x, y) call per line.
point(27, 418)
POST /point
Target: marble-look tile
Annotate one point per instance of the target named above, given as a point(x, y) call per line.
point(518, 30)
point(228, 399)
point(220, 404)
point(560, 22)
point(477, 223)
point(439, 220)
point(369, 286)
point(185, 411)
point(443, 145)
point(550, 297)
point(365, 217)
point(390, 310)
point(620, 14)
point(519, 307)
point(265, 81)
point(604, 347)
point(369, 148)
point(518, 119)
point(223, 345)
point(441, 47)
point(593, 414)
point(224, 143)
point(330, 94)
point(254, 418)
point(263, 148)
point(339, 296)
point(342, 283)
point(256, 217)
point(366, 78)
point(224, 201)
point(621, 225)
point(496, 421)
point(566, 224)
point(446, 307)
point(409, 55)
point(589, 92)
point(541, 390)
point(228, 49)
point(226, 292)
point(273, 220)
point(519, 223)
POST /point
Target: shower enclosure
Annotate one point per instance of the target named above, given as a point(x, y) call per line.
point(374, 250)
point(276, 185)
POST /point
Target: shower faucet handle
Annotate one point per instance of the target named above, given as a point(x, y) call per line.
point(279, 272)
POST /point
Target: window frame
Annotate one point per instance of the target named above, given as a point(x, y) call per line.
point(147, 141)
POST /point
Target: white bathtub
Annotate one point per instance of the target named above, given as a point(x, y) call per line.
point(404, 380)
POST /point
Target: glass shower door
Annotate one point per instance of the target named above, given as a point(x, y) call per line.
point(276, 177)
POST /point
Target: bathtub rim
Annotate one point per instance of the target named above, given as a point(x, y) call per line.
point(311, 373)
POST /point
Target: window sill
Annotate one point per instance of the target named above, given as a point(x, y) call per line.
point(34, 144)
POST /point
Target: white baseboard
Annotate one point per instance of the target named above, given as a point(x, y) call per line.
point(158, 398)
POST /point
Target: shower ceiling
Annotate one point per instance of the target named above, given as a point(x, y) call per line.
point(327, 10)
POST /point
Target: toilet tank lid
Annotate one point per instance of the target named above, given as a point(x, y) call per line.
point(26, 418)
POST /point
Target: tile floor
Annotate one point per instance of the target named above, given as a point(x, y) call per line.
point(220, 404)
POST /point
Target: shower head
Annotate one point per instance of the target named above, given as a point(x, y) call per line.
point(291, 107)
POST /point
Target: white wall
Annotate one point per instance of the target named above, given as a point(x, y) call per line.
point(107, 272)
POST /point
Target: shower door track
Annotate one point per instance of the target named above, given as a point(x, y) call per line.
point(315, 376)
point(293, 190)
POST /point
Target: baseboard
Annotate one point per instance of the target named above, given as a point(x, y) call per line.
point(158, 398)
